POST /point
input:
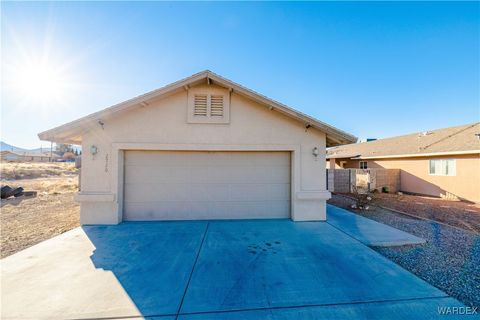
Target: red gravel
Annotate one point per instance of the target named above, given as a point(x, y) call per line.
point(455, 213)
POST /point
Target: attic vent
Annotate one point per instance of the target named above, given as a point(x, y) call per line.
point(200, 105)
point(208, 105)
point(216, 105)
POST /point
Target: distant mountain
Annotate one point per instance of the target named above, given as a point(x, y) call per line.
point(8, 147)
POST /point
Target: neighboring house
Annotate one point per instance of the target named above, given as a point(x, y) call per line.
point(200, 148)
point(441, 163)
point(11, 156)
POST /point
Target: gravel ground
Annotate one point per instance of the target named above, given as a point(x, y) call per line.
point(450, 260)
point(455, 213)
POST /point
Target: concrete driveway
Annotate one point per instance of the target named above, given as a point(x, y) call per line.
point(264, 269)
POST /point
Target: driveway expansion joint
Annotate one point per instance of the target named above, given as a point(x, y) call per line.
point(315, 305)
point(193, 269)
point(270, 308)
point(319, 270)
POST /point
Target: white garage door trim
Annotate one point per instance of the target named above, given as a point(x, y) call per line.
point(207, 185)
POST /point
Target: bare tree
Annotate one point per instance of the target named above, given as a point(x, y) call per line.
point(363, 196)
point(62, 148)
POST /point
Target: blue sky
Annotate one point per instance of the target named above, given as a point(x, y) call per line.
point(371, 69)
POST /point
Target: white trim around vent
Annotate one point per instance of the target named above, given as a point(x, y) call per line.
point(208, 105)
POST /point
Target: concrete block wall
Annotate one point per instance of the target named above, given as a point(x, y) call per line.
point(330, 181)
point(387, 178)
point(341, 180)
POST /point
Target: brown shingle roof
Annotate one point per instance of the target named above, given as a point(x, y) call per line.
point(454, 139)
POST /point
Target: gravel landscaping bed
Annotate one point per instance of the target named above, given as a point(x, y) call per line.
point(455, 213)
point(450, 259)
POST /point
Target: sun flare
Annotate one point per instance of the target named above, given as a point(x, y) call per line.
point(40, 81)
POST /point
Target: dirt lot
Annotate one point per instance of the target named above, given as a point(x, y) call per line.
point(33, 170)
point(51, 213)
point(455, 213)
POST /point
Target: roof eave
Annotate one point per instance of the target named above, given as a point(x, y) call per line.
point(413, 155)
point(65, 132)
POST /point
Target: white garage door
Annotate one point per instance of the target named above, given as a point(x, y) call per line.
point(183, 185)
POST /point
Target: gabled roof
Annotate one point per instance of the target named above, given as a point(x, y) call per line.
point(463, 139)
point(72, 132)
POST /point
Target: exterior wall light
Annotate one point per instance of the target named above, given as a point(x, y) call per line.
point(315, 152)
point(93, 150)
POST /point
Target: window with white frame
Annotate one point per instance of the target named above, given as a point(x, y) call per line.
point(363, 165)
point(442, 167)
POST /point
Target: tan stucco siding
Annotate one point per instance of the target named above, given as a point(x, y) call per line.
point(164, 122)
point(415, 175)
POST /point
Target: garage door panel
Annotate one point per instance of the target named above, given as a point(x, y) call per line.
point(209, 174)
point(155, 192)
point(179, 192)
point(161, 210)
point(178, 185)
point(260, 159)
point(208, 192)
point(259, 192)
point(206, 174)
point(261, 174)
point(181, 210)
point(139, 174)
point(250, 209)
point(153, 158)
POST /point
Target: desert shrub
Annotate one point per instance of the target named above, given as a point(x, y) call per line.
point(68, 156)
point(362, 198)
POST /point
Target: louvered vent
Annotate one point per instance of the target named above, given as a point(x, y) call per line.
point(200, 105)
point(216, 106)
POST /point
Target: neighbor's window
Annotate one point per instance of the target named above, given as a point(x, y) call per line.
point(442, 167)
point(363, 164)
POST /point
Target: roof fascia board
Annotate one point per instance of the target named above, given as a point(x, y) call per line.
point(416, 155)
point(71, 126)
point(284, 109)
point(64, 132)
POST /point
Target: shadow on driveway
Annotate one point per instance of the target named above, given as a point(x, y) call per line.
point(230, 269)
point(152, 260)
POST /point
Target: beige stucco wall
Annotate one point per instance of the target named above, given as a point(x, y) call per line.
point(162, 125)
point(415, 177)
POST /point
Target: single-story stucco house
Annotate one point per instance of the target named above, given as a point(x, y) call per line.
point(15, 156)
point(441, 163)
point(200, 148)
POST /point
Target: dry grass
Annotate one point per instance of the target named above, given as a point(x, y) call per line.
point(33, 170)
point(54, 211)
point(46, 186)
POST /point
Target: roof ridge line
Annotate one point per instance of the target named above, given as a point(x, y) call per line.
point(447, 137)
